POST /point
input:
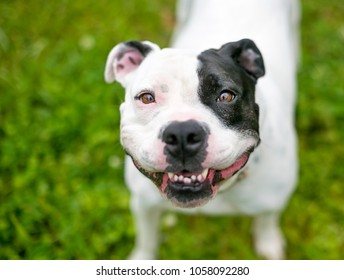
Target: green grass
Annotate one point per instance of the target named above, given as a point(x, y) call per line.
point(62, 194)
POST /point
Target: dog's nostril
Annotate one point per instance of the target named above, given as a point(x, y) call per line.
point(193, 138)
point(171, 139)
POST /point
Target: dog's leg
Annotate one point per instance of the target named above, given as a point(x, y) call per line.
point(268, 238)
point(146, 220)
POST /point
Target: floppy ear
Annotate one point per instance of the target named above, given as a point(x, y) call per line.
point(125, 58)
point(247, 55)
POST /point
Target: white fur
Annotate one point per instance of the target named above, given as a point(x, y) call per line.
point(272, 169)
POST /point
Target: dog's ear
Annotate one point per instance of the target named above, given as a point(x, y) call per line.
point(247, 55)
point(125, 58)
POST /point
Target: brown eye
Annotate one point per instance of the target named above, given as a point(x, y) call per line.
point(226, 96)
point(146, 98)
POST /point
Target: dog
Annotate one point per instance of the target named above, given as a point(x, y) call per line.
point(208, 124)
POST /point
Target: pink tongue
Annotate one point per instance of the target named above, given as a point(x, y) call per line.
point(228, 172)
point(164, 182)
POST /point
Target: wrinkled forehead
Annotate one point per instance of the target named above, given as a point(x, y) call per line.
point(167, 69)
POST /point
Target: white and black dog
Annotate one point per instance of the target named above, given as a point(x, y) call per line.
point(202, 127)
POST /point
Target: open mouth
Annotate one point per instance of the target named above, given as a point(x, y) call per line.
point(192, 189)
point(187, 180)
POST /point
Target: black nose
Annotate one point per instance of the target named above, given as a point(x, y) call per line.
point(184, 140)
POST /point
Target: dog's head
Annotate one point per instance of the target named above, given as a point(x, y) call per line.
point(189, 121)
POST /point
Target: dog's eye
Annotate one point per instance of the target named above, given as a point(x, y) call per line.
point(226, 96)
point(146, 98)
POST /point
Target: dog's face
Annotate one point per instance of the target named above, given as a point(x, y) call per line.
point(189, 121)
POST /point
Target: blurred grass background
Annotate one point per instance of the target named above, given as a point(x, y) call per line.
point(62, 194)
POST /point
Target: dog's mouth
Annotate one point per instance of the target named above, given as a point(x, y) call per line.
point(191, 189)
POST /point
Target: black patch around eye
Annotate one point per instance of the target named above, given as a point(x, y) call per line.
point(216, 73)
point(210, 86)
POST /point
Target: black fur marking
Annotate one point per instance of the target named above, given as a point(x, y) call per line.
point(221, 70)
point(141, 47)
point(187, 195)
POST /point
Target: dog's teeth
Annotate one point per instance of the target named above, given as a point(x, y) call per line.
point(187, 181)
point(205, 173)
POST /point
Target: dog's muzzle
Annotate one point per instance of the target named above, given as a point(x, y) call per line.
point(185, 181)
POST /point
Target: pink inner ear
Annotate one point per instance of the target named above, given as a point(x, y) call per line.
point(128, 62)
